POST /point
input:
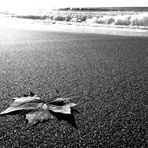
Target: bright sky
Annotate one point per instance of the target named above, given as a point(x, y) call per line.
point(45, 4)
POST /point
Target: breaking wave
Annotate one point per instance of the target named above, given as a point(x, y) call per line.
point(121, 19)
point(125, 20)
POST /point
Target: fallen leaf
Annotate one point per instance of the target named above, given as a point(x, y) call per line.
point(38, 116)
point(60, 101)
point(61, 105)
point(23, 103)
point(39, 110)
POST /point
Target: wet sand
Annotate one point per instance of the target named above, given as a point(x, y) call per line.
point(107, 76)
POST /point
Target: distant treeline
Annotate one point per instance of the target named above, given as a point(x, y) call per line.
point(106, 9)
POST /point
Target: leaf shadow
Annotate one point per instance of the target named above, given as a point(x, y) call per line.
point(67, 117)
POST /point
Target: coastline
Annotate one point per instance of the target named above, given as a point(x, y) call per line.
point(21, 24)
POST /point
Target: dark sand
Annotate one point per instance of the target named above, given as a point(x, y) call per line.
point(107, 75)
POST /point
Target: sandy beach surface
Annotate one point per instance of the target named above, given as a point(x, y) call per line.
point(106, 75)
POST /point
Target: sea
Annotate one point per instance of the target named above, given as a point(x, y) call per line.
point(111, 17)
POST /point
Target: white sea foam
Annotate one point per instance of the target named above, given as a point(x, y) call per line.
point(119, 18)
point(89, 22)
point(139, 19)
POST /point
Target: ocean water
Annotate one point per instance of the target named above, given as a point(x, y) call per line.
point(131, 17)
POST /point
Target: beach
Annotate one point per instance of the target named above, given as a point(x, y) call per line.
point(106, 75)
point(58, 26)
point(111, 21)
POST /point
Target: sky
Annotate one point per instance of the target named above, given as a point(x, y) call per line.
point(46, 4)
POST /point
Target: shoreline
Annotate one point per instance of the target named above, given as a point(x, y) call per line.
point(22, 24)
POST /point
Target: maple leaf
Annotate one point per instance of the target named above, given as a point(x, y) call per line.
point(38, 116)
point(61, 105)
point(39, 110)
